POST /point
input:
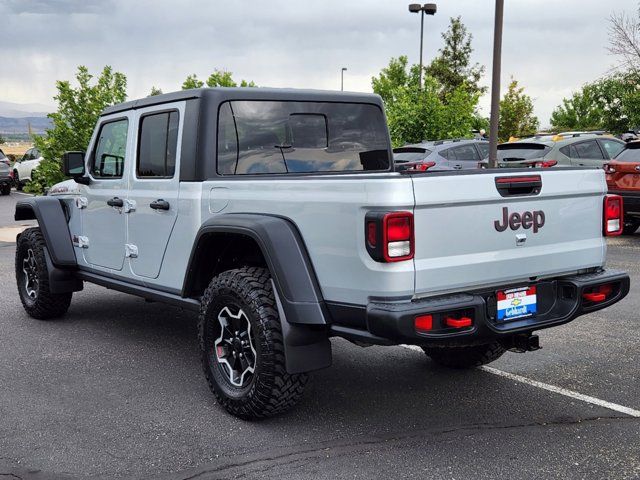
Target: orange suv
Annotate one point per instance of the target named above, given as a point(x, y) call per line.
point(623, 178)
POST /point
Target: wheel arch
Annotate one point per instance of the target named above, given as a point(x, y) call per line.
point(302, 311)
point(52, 220)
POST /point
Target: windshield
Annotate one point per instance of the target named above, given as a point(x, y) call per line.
point(2, 155)
point(513, 151)
point(629, 155)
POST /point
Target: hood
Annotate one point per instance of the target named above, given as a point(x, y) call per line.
point(68, 187)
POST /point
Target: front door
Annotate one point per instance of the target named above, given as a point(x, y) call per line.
point(103, 219)
point(154, 187)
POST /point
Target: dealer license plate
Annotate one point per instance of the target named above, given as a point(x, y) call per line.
point(516, 303)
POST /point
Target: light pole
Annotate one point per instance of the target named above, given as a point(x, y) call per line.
point(495, 86)
point(428, 9)
point(342, 70)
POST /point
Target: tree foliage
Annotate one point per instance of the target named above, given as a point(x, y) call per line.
point(516, 113)
point(414, 114)
point(452, 67)
point(155, 91)
point(611, 103)
point(219, 78)
point(73, 123)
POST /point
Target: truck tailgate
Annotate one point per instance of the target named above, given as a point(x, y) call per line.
point(462, 241)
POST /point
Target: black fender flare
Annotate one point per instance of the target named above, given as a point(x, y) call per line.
point(50, 214)
point(59, 253)
point(302, 309)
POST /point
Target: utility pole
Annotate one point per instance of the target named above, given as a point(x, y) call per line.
point(495, 85)
point(344, 69)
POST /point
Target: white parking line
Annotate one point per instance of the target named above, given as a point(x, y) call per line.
point(552, 388)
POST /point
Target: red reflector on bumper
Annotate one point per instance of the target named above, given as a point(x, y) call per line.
point(424, 323)
point(458, 322)
point(594, 297)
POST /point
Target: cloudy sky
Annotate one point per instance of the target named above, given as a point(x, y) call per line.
point(551, 46)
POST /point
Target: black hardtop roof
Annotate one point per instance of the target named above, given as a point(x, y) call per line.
point(222, 94)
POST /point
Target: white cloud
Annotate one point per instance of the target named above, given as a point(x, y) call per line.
point(551, 47)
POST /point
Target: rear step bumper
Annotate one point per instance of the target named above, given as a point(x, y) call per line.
point(559, 300)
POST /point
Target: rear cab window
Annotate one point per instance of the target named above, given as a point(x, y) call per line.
point(288, 137)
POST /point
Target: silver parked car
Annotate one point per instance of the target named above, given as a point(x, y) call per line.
point(5, 175)
point(456, 154)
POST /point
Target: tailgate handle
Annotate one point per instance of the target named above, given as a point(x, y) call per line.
point(520, 185)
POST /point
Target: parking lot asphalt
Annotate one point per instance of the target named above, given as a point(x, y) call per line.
point(115, 390)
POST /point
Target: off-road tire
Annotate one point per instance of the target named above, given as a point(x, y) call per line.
point(629, 228)
point(271, 390)
point(45, 305)
point(465, 357)
point(5, 190)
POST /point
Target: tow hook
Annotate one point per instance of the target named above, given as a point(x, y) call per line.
point(525, 343)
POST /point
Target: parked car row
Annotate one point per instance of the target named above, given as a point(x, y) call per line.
point(20, 172)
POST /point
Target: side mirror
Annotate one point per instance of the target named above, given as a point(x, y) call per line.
point(73, 164)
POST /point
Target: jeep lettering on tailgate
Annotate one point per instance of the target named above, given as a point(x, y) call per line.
point(516, 220)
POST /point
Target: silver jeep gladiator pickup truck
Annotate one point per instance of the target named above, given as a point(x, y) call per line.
point(278, 217)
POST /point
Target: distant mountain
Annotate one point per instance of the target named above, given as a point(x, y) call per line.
point(12, 125)
point(23, 110)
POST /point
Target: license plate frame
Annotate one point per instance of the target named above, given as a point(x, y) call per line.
point(516, 303)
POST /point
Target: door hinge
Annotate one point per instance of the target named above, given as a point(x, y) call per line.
point(129, 206)
point(130, 251)
point(81, 241)
point(81, 202)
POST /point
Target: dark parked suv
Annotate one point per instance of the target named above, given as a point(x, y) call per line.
point(457, 154)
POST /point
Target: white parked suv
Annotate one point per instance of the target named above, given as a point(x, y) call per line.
point(23, 168)
point(277, 217)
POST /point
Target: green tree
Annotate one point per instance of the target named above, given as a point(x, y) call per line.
point(611, 103)
point(416, 114)
point(219, 78)
point(516, 113)
point(2, 140)
point(192, 81)
point(452, 67)
point(73, 122)
point(155, 91)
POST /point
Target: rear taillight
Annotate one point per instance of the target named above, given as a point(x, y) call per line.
point(389, 236)
point(612, 215)
point(422, 167)
point(542, 163)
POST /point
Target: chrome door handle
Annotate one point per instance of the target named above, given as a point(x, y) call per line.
point(160, 204)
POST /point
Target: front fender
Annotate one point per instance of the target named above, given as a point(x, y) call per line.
point(50, 214)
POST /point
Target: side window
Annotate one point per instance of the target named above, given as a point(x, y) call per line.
point(36, 154)
point(484, 149)
point(466, 153)
point(157, 145)
point(566, 151)
point(110, 149)
point(227, 141)
point(612, 147)
point(27, 155)
point(589, 149)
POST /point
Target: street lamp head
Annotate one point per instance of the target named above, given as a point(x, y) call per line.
point(430, 8)
point(344, 69)
point(415, 8)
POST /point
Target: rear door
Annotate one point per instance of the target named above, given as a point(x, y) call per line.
point(463, 157)
point(154, 187)
point(467, 234)
point(587, 154)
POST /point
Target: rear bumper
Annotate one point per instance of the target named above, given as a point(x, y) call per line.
point(559, 301)
point(5, 180)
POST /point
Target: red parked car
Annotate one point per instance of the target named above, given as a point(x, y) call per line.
point(623, 178)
